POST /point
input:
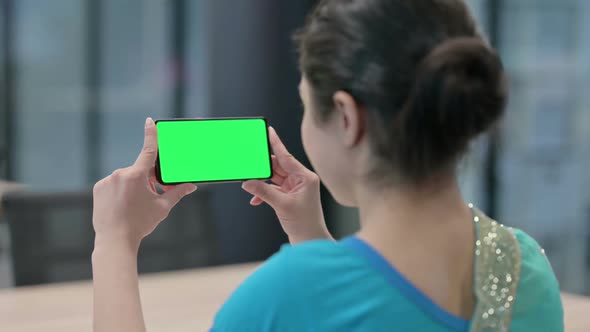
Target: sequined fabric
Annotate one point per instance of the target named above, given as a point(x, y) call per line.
point(497, 271)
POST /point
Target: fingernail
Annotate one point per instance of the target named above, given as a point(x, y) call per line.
point(192, 189)
point(252, 200)
point(148, 122)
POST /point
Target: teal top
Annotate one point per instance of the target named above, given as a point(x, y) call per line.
point(324, 285)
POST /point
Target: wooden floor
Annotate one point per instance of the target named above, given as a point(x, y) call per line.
point(172, 302)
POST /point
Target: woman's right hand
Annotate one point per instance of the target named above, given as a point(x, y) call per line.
point(294, 195)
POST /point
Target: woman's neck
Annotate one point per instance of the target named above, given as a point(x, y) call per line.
point(411, 208)
point(428, 235)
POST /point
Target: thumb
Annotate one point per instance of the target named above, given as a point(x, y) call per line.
point(149, 153)
point(176, 193)
point(265, 191)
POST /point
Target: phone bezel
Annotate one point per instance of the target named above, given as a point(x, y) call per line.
point(158, 169)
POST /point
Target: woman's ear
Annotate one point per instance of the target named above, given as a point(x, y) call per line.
point(350, 118)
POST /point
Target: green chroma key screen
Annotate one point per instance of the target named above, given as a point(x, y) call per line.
point(211, 150)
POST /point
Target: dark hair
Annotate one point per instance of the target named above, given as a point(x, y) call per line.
point(428, 80)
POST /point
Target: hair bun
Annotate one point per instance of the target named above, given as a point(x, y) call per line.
point(458, 93)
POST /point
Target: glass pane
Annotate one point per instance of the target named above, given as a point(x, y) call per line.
point(137, 75)
point(479, 10)
point(516, 35)
point(197, 31)
point(472, 169)
point(555, 34)
point(3, 118)
point(544, 160)
point(50, 132)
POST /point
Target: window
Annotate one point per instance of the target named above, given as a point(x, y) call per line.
point(87, 74)
point(48, 115)
point(137, 76)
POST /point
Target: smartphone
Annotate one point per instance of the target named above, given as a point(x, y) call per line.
point(212, 150)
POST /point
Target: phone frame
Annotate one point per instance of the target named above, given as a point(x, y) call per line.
point(158, 169)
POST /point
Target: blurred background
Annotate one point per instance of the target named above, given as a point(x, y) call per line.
point(78, 78)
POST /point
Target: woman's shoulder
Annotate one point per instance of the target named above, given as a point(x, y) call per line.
point(309, 261)
point(285, 266)
point(278, 287)
point(538, 300)
point(305, 256)
point(535, 266)
point(529, 247)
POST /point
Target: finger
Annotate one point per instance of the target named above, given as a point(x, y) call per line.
point(285, 160)
point(266, 192)
point(278, 176)
point(176, 193)
point(153, 182)
point(164, 187)
point(277, 145)
point(147, 157)
point(255, 201)
point(279, 188)
point(276, 167)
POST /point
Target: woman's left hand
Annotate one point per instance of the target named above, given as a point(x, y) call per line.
point(127, 206)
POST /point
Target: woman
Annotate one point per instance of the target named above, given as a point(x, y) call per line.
point(394, 91)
